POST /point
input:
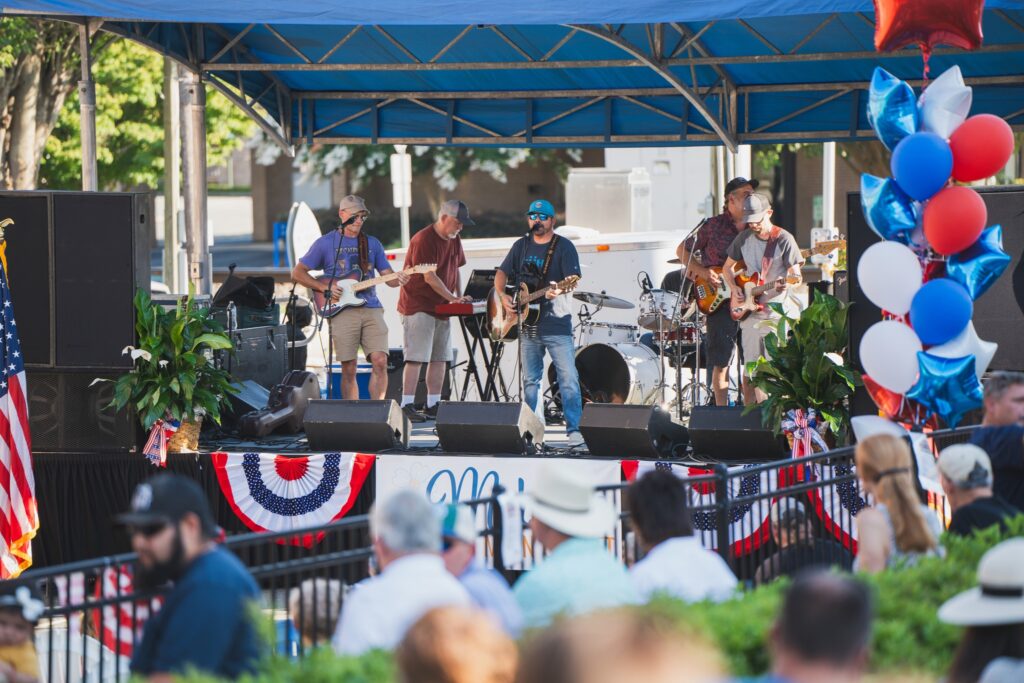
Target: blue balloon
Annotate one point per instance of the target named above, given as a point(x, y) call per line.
point(892, 108)
point(978, 266)
point(947, 386)
point(921, 164)
point(887, 209)
point(940, 311)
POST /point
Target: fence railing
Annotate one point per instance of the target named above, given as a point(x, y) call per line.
point(94, 611)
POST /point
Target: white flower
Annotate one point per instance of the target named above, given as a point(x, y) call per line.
point(164, 363)
point(835, 358)
point(141, 353)
point(126, 349)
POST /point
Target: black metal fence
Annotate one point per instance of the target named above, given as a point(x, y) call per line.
point(94, 613)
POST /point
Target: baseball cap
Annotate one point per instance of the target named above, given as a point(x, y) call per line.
point(352, 204)
point(457, 210)
point(457, 523)
point(738, 182)
point(542, 206)
point(167, 498)
point(755, 207)
point(966, 465)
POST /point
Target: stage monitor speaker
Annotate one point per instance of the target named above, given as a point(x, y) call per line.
point(365, 426)
point(484, 427)
point(251, 396)
point(613, 430)
point(725, 434)
point(67, 413)
point(75, 260)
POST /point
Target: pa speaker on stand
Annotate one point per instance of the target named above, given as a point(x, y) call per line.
point(613, 430)
point(486, 427)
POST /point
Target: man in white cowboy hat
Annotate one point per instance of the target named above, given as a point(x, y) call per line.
point(965, 472)
point(570, 519)
point(992, 612)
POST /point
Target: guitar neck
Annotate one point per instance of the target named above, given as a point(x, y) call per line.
point(761, 289)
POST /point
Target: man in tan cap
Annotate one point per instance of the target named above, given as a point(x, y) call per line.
point(349, 253)
point(965, 473)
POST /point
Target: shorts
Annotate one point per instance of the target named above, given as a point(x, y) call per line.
point(426, 338)
point(753, 329)
point(355, 327)
point(721, 337)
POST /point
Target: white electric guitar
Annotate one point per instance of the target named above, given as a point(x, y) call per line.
point(346, 287)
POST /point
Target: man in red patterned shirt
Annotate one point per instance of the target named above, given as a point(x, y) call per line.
point(712, 241)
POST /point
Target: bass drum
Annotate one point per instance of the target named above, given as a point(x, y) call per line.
point(614, 373)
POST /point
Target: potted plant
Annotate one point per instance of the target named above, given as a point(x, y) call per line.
point(173, 375)
point(806, 369)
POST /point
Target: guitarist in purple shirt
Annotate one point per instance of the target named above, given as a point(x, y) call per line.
point(348, 253)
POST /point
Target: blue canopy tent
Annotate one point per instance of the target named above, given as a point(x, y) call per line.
point(543, 73)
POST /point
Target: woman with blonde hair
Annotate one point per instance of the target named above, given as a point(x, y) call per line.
point(900, 528)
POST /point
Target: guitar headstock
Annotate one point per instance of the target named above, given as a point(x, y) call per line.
point(421, 268)
point(828, 246)
point(569, 283)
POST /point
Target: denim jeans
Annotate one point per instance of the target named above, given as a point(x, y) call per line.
point(563, 357)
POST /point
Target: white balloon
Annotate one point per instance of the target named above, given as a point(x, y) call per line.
point(888, 352)
point(945, 103)
point(890, 275)
point(968, 343)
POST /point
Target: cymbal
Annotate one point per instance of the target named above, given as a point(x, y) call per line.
point(603, 300)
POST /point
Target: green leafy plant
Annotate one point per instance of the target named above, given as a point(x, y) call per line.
point(173, 373)
point(806, 367)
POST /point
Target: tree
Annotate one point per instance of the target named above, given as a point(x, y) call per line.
point(867, 156)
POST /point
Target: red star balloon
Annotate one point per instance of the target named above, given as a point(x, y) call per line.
point(897, 407)
point(927, 23)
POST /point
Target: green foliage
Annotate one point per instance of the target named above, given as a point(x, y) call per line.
point(800, 374)
point(129, 124)
point(173, 373)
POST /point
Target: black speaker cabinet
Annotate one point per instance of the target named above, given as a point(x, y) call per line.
point(622, 431)
point(75, 260)
point(67, 413)
point(725, 434)
point(483, 427)
point(365, 426)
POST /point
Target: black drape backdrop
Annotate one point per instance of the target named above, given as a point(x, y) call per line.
point(79, 494)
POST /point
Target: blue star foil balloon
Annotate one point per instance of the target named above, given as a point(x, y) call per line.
point(978, 266)
point(892, 108)
point(947, 386)
point(888, 210)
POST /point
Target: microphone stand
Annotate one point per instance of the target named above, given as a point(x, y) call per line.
point(329, 295)
point(694, 392)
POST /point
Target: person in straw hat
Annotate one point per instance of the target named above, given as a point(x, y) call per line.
point(570, 519)
point(992, 647)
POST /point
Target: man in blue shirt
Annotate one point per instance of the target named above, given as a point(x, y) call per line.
point(570, 519)
point(349, 253)
point(205, 622)
point(538, 259)
point(1001, 434)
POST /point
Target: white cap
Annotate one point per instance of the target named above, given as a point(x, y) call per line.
point(966, 465)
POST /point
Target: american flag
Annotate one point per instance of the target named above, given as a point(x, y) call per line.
point(19, 518)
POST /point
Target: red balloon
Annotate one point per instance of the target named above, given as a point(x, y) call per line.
point(927, 23)
point(898, 408)
point(981, 147)
point(954, 219)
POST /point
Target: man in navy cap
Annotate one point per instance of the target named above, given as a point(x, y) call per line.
point(540, 258)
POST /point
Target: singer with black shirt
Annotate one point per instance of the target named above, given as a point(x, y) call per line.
point(540, 258)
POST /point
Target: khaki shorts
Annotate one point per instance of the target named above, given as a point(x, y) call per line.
point(753, 329)
point(426, 338)
point(355, 327)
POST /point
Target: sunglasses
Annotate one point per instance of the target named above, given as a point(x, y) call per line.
point(147, 530)
point(538, 216)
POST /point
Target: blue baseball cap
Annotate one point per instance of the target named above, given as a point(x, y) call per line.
point(542, 206)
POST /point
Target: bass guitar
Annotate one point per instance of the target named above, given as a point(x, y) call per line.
point(709, 297)
point(345, 289)
point(751, 291)
point(501, 321)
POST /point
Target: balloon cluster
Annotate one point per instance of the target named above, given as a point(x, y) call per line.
point(937, 256)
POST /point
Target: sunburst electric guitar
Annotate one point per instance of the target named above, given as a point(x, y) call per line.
point(501, 321)
point(709, 297)
point(346, 287)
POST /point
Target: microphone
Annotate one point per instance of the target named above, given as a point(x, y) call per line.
point(646, 283)
point(534, 227)
point(349, 221)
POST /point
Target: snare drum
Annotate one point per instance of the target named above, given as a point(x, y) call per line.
point(608, 333)
point(659, 309)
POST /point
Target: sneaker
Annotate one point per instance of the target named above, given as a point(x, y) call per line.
point(431, 412)
point(575, 440)
point(414, 415)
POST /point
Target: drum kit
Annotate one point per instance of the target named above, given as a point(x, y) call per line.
point(623, 363)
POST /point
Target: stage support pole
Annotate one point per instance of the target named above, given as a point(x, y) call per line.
point(828, 186)
point(87, 113)
point(193, 163)
point(172, 175)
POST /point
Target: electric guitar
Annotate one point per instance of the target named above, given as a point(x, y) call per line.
point(346, 287)
point(502, 322)
point(709, 297)
point(751, 291)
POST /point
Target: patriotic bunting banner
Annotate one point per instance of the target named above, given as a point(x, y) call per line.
point(116, 626)
point(272, 492)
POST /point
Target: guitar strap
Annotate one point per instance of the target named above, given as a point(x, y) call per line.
point(769, 254)
point(547, 260)
point(364, 253)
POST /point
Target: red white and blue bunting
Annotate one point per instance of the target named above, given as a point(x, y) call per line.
point(277, 493)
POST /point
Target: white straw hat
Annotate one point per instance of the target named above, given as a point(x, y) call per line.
point(564, 499)
point(999, 599)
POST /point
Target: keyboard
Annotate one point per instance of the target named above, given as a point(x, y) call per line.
point(474, 308)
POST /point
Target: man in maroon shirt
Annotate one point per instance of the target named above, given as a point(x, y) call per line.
point(426, 336)
point(712, 241)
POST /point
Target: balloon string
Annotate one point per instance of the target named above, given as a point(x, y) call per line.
point(926, 53)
